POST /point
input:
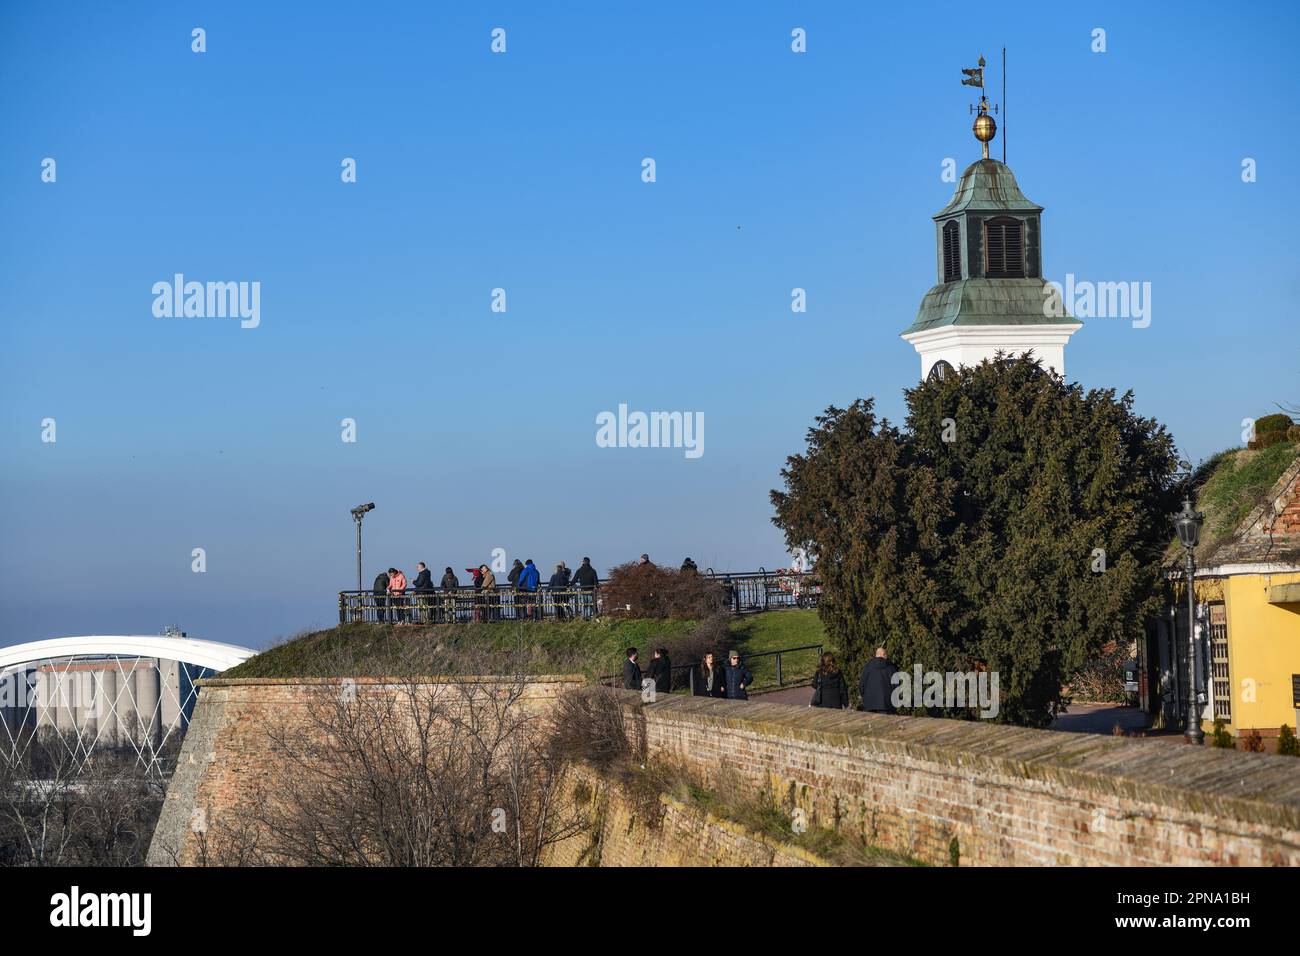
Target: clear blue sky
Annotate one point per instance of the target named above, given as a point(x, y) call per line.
point(523, 171)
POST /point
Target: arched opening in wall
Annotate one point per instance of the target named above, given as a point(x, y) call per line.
point(1004, 248)
point(939, 371)
point(951, 252)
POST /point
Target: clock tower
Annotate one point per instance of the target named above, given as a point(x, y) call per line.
point(989, 295)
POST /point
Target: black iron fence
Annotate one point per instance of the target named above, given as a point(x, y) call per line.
point(742, 593)
point(466, 605)
point(763, 590)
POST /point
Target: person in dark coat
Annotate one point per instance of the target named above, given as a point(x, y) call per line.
point(559, 584)
point(586, 579)
point(738, 677)
point(515, 570)
point(631, 671)
point(422, 585)
point(451, 584)
point(876, 686)
point(661, 671)
point(830, 689)
point(710, 681)
point(689, 565)
point(381, 597)
point(585, 576)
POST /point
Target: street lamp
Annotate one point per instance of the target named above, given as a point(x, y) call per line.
point(358, 513)
point(1188, 524)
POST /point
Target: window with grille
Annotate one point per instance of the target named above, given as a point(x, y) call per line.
point(939, 371)
point(1219, 662)
point(951, 252)
point(1004, 249)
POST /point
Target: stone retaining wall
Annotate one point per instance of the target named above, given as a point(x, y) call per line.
point(1007, 795)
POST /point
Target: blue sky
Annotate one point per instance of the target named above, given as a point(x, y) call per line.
point(522, 171)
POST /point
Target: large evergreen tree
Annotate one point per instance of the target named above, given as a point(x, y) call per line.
point(1015, 523)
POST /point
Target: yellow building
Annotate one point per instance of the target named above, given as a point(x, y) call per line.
point(1248, 597)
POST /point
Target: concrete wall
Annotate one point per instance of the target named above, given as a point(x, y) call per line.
point(1008, 795)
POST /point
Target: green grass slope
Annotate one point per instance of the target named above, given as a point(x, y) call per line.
point(591, 648)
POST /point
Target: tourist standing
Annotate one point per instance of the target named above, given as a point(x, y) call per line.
point(423, 587)
point(738, 678)
point(396, 592)
point(381, 599)
point(586, 580)
point(450, 585)
point(631, 671)
point(830, 689)
point(710, 681)
point(558, 586)
point(876, 686)
point(528, 582)
point(661, 671)
point(478, 588)
point(488, 588)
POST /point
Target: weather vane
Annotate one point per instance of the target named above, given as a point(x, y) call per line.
point(984, 127)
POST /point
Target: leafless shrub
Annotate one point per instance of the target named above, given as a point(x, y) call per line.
point(651, 591)
point(410, 771)
point(591, 725)
point(1101, 678)
point(59, 807)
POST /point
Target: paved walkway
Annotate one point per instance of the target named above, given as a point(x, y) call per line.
point(1100, 719)
point(1082, 718)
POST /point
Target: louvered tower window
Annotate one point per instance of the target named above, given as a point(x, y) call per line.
point(951, 251)
point(1004, 248)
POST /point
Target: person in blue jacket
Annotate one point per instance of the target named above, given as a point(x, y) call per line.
point(529, 579)
point(738, 677)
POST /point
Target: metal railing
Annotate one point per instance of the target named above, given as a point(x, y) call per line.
point(687, 683)
point(466, 605)
point(742, 593)
point(762, 590)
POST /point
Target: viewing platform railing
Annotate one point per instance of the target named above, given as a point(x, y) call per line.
point(740, 593)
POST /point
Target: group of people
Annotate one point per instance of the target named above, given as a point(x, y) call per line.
point(708, 679)
point(875, 685)
point(395, 600)
point(731, 680)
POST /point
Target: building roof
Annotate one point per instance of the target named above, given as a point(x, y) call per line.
point(987, 185)
point(986, 302)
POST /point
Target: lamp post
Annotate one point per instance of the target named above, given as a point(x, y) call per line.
point(358, 513)
point(1188, 524)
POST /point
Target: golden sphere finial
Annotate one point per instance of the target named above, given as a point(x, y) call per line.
point(984, 129)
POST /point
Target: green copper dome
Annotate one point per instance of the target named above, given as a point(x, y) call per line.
point(988, 256)
point(987, 185)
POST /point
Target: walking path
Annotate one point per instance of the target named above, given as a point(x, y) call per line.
point(1082, 718)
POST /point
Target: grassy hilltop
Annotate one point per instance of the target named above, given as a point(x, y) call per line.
point(592, 648)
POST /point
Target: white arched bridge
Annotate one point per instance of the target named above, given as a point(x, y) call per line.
point(119, 691)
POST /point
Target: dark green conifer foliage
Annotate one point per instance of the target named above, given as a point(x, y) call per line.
point(969, 538)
